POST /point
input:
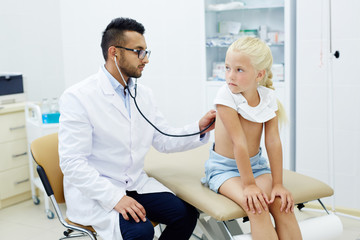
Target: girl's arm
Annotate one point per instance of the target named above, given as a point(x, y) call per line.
point(274, 151)
point(255, 198)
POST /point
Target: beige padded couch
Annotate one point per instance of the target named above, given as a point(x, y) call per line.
point(181, 172)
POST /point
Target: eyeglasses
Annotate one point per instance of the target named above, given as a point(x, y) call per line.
point(141, 53)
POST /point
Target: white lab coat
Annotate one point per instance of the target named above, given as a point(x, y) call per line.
point(102, 150)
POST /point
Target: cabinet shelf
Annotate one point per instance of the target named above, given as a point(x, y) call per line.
point(243, 8)
point(232, 6)
point(256, 18)
point(226, 46)
point(212, 81)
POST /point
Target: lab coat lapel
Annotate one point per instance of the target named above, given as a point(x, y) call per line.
point(111, 95)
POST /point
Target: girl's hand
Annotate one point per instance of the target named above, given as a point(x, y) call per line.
point(287, 201)
point(255, 199)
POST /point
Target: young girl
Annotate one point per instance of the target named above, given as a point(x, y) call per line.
point(246, 105)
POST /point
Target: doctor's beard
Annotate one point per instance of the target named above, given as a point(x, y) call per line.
point(129, 70)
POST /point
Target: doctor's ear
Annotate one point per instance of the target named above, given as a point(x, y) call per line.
point(112, 53)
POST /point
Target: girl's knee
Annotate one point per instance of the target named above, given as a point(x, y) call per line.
point(281, 216)
point(276, 205)
point(264, 216)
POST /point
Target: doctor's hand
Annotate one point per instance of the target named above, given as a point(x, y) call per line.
point(128, 205)
point(206, 120)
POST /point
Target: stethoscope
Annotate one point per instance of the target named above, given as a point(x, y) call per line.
point(137, 107)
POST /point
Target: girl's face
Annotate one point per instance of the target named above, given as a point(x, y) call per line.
point(240, 74)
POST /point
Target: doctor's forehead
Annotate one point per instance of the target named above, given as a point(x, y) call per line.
point(134, 40)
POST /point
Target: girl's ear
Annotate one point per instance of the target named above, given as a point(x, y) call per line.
point(260, 76)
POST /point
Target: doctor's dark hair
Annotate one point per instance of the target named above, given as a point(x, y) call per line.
point(114, 33)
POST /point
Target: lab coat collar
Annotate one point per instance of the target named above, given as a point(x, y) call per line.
point(109, 92)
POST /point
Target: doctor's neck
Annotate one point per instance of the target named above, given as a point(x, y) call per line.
point(115, 72)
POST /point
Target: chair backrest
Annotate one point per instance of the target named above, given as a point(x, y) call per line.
point(45, 154)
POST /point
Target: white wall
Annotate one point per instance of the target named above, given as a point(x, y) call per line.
point(57, 43)
point(174, 33)
point(315, 67)
point(31, 43)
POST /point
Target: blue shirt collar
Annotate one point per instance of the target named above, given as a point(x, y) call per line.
point(115, 82)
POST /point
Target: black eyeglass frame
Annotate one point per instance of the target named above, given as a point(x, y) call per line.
point(141, 53)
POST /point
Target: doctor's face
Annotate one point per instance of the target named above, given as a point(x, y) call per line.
point(130, 64)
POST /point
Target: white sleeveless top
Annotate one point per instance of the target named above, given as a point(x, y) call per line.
point(263, 112)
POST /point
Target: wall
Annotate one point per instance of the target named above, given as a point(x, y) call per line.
point(57, 43)
point(31, 43)
point(316, 66)
point(174, 33)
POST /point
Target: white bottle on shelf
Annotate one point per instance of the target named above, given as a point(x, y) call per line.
point(45, 109)
point(54, 106)
point(50, 111)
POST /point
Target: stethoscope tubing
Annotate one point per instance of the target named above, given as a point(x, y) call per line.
point(137, 107)
point(157, 129)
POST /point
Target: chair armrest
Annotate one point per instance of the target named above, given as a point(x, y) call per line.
point(45, 180)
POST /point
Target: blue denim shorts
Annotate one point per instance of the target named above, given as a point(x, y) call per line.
point(218, 169)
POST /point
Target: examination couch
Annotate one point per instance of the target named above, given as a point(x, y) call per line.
point(181, 173)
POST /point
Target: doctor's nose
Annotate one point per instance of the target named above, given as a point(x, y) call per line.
point(145, 60)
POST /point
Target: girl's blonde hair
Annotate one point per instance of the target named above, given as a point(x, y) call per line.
point(261, 59)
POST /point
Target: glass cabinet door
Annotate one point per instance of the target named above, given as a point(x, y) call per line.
point(226, 21)
point(270, 20)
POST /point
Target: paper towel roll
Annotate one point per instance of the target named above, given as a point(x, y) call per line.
point(325, 227)
point(318, 228)
point(246, 236)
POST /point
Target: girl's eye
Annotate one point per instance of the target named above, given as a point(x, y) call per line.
point(239, 70)
point(227, 68)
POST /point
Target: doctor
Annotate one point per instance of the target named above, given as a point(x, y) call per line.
point(103, 141)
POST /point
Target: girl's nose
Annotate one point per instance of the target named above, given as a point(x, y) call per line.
point(231, 74)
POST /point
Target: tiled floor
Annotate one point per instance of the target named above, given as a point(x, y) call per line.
point(26, 221)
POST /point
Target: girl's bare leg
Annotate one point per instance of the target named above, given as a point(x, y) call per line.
point(286, 224)
point(261, 225)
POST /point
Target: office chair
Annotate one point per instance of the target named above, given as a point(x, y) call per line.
point(45, 153)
